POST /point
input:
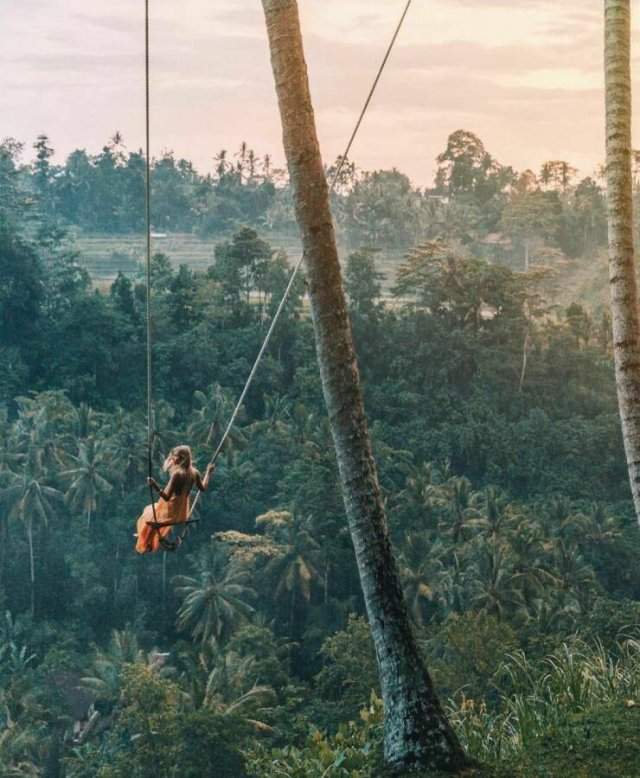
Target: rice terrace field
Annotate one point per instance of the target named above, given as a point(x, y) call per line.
point(104, 256)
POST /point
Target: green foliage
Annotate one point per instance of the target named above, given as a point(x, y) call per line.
point(467, 651)
point(533, 214)
point(154, 734)
point(241, 267)
point(294, 571)
point(216, 600)
point(466, 168)
point(353, 752)
point(105, 192)
point(349, 675)
point(20, 308)
point(600, 742)
point(382, 209)
point(494, 425)
point(362, 281)
point(541, 698)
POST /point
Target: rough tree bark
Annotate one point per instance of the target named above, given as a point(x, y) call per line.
point(622, 279)
point(416, 731)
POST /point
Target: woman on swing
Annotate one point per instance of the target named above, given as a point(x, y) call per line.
point(173, 506)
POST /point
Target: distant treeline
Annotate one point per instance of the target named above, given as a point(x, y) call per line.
point(489, 207)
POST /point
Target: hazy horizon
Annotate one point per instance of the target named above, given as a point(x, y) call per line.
point(524, 76)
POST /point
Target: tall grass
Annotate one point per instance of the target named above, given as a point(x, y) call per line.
point(536, 698)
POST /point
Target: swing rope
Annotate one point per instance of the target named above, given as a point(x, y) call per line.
point(147, 222)
point(165, 544)
point(294, 273)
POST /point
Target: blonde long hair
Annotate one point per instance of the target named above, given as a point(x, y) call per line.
point(180, 459)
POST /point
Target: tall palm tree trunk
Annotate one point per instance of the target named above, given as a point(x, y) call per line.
point(416, 732)
point(622, 281)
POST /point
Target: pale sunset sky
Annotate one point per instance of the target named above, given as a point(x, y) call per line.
point(525, 75)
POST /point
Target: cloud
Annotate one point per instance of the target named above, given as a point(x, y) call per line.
point(53, 63)
point(118, 23)
point(520, 73)
point(537, 4)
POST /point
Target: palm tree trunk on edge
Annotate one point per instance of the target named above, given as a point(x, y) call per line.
point(622, 280)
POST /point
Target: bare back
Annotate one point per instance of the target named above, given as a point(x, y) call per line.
point(182, 482)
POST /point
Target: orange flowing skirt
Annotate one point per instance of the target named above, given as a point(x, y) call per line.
point(175, 510)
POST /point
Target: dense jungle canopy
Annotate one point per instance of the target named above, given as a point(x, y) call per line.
point(485, 353)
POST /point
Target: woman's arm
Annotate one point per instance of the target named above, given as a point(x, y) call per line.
point(203, 483)
point(167, 493)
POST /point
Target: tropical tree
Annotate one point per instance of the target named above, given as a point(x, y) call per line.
point(557, 174)
point(43, 417)
point(494, 583)
point(87, 481)
point(276, 417)
point(84, 421)
point(124, 444)
point(19, 751)
point(213, 411)
point(241, 266)
point(497, 517)
point(106, 671)
point(10, 459)
point(416, 729)
point(28, 499)
point(572, 575)
point(13, 200)
point(417, 564)
point(423, 494)
point(466, 293)
point(382, 209)
point(454, 590)
point(465, 168)
point(532, 215)
point(295, 568)
point(216, 600)
point(363, 282)
point(225, 683)
point(600, 526)
point(623, 286)
point(531, 550)
point(461, 510)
